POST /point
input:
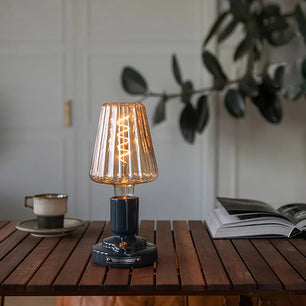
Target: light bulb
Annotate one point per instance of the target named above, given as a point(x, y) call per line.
point(123, 153)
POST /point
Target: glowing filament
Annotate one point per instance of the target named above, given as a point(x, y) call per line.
point(123, 146)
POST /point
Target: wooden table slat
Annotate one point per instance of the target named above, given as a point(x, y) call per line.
point(264, 276)
point(189, 266)
point(22, 274)
point(166, 268)
point(288, 276)
point(295, 258)
point(143, 278)
point(7, 230)
point(2, 223)
point(238, 273)
point(71, 273)
point(10, 262)
point(45, 276)
point(9, 243)
point(214, 273)
point(94, 274)
point(300, 244)
point(117, 279)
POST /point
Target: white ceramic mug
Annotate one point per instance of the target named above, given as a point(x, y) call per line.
point(49, 209)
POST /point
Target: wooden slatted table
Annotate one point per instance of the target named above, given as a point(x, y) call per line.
point(189, 263)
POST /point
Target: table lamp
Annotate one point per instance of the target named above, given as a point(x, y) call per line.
point(123, 156)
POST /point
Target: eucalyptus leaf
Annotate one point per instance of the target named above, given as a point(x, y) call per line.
point(268, 14)
point(234, 103)
point(202, 113)
point(269, 82)
point(244, 47)
point(240, 10)
point(160, 110)
point(188, 119)
point(133, 82)
point(176, 70)
point(256, 52)
point(248, 86)
point(274, 26)
point(295, 84)
point(279, 38)
point(268, 105)
point(213, 66)
point(300, 20)
point(271, 10)
point(228, 29)
point(215, 27)
point(279, 77)
point(294, 91)
point(278, 24)
point(304, 68)
point(252, 29)
point(273, 111)
point(250, 64)
point(187, 88)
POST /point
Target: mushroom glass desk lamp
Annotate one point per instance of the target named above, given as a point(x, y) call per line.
point(123, 156)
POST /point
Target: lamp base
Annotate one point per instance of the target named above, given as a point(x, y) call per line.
point(124, 252)
point(124, 249)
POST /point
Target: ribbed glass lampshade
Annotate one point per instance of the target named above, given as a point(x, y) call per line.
point(123, 152)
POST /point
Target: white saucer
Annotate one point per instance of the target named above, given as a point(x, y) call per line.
point(31, 226)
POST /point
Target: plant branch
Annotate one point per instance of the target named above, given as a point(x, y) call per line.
point(216, 87)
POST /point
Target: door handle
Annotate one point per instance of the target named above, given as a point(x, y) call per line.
point(68, 112)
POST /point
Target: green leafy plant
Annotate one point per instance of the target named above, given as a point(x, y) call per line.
point(260, 23)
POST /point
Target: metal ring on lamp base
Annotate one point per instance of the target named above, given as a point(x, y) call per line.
point(109, 254)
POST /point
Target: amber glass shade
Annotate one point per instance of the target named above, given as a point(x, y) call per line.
point(123, 152)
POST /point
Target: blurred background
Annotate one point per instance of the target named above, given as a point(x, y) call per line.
point(57, 50)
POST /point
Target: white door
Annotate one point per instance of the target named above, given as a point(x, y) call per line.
point(36, 149)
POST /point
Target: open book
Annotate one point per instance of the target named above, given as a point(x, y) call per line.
point(250, 218)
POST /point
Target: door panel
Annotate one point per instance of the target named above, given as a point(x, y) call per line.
point(31, 91)
point(31, 20)
point(143, 20)
point(36, 150)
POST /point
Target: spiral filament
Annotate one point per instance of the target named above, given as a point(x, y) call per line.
point(123, 139)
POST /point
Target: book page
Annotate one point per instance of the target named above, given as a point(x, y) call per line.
point(294, 212)
point(240, 207)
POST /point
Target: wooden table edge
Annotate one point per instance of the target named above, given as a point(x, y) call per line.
point(153, 292)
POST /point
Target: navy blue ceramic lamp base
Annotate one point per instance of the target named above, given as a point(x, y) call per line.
point(124, 249)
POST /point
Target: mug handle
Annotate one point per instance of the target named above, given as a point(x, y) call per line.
point(26, 200)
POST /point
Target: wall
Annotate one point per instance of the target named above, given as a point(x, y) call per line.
point(258, 159)
point(75, 49)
